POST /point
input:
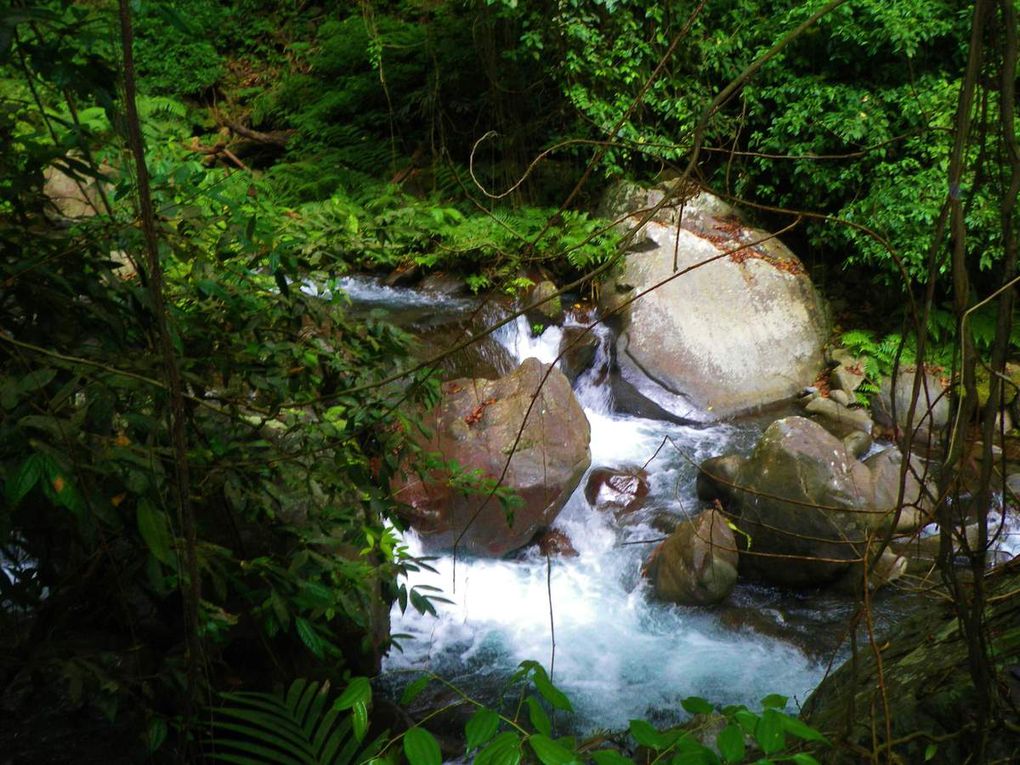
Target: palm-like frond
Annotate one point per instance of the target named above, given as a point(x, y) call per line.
point(300, 727)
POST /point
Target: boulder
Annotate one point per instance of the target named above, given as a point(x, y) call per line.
point(808, 505)
point(848, 374)
point(579, 349)
point(733, 332)
point(922, 675)
point(618, 491)
point(932, 413)
point(554, 543)
point(857, 442)
point(476, 425)
point(838, 419)
point(549, 312)
point(72, 198)
point(716, 477)
point(697, 564)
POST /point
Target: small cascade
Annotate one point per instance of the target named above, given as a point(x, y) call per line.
point(517, 337)
point(592, 386)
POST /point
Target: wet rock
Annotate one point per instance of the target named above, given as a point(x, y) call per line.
point(443, 284)
point(838, 419)
point(697, 564)
point(579, 349)
point(403, 275)
point(857, 442)
point(476, 424)
point(554, 543)
point(483, 358)
point(932, 412)
point(841, 397)
point(808, 505)
point(743, 330)
point(848, 374)
point(925, 679)
point(888, 568)
point(717, 476)
point(550, 311)
point(620, 492)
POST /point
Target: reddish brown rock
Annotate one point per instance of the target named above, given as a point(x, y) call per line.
point(619, 491)
point(476, 424)
point(554, 543)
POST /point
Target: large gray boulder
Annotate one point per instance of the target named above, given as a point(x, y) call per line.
point(807, 505)
point(476, 424)
point(732, 332)
point(931, 414)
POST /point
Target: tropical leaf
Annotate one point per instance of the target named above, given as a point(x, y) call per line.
point(299, 727)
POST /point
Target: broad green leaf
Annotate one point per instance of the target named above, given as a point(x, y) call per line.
point(26, 477)
point(549, 752)
point(769, 732)
point(774, 700)
point(358, 690)
point(359, 714)
point(802, 758)
point(747, 720)
point(505, 749)
point(697, 706)
point(155, 530)
point(421, 747)
point(731, 743)
point(646, 735)
point(310, 637)
point(551, 693)
point(539, 719)
point(801, 730)
point(930, 751)
point(610, 757)
point(481, 727)
point(414, 689)
point(36, 379)
point(701, 756)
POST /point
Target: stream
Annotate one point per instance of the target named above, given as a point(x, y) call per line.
point(619, 653)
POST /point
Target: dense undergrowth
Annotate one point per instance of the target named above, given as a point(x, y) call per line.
point(296, 141)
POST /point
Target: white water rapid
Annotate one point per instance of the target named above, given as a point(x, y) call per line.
point(618, 653)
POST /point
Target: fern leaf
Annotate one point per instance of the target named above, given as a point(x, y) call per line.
point(263, 753)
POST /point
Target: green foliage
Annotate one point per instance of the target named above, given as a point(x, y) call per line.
point(299, 726)
point(176, 51)
point(390, 228)
point(524, 732)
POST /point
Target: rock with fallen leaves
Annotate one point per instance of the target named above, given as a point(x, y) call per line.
point(717, 317)
point(541, 450)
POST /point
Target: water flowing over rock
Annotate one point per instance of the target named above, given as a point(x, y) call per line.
point(697, 564)
point(807, 505)
point(618, 491)
point(476, 424)
point(740, 331)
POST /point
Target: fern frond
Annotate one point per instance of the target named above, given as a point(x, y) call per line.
point(299, 727)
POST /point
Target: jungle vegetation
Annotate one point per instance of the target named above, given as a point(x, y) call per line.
point(195, 452)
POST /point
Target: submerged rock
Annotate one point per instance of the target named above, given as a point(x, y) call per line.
point(735, 331)
point(554, 543)
point(618, 491)
point(697, 564)
point(476, 424)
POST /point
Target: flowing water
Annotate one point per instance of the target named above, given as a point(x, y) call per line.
point(619, 653)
